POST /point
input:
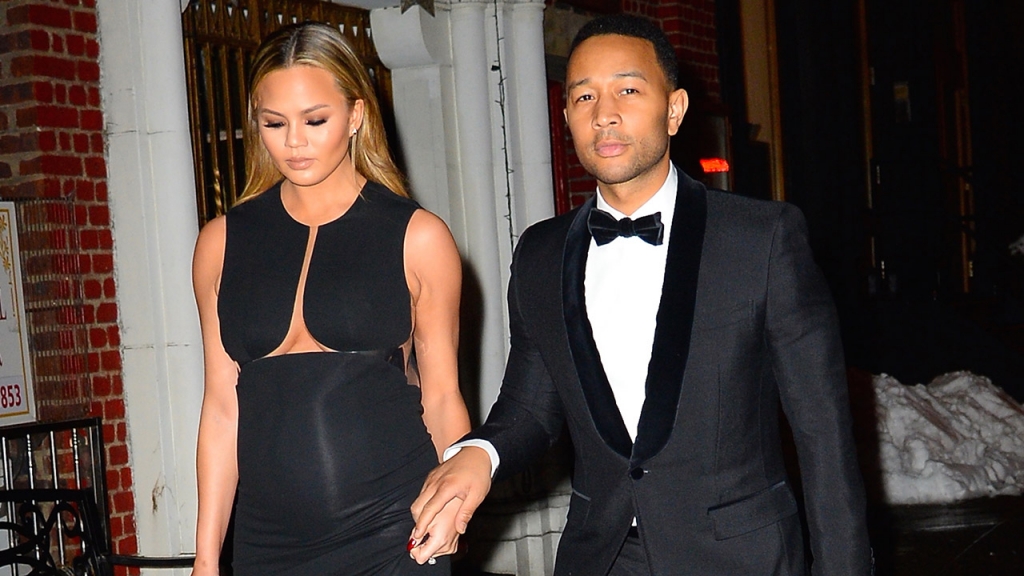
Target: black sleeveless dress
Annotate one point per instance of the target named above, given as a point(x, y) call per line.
point(332, 449)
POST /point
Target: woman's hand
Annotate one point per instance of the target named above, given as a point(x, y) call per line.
point(442, 537)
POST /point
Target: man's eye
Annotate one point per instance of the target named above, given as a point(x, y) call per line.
point(317, 122)
point(585, 98)
point(273, 124)
point(630, 91)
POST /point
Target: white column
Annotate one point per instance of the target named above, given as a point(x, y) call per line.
point(459, 136)
point(152, 198)
point(446, 74)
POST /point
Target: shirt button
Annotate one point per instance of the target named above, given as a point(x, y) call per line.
point(637, 473)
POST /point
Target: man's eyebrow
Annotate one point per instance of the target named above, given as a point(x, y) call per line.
point(627, 74)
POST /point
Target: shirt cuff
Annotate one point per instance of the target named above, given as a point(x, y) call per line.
point(487, 447)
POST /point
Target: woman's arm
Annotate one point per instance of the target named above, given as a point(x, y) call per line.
point(434, 274)
point(216, 455)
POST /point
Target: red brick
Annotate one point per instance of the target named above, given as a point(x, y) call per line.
point(92, 120)
point(88, 71)
point(60, 94)
point(77, 95)
point(54, 116)
point(117, 384)
point(64, 140)
point(92, 48)
point(60, 165)
point(108, 288)
point(10, 144)
point(96, 409)
point(3, 120)
point(126, 473)
point(96, 141)
point(94, 97)
point(108, 438)
point(58, 44)
point(81, 145)
point(40, 14)
point(76, 44)
point(128, 545)
point(101, 191)
point(99, 215)
point(85, 190)
point(106, 312)
point(100, 388)
point(93, 289)
point(5, 170)
point(116, 527)
point(17, 93)
point(48, 66)
point(114, 409)
point(95, 167)
point(85, 22)
point(123, 501)
point(88, 239)
point(47, 141)
point(98, 339)
point(114, 336)
point(102, 263)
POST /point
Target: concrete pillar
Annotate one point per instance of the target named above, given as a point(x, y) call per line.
point(454, 133)
point(471, 112)
point(152, 198)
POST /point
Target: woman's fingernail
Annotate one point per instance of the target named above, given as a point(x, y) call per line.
point(410, 545)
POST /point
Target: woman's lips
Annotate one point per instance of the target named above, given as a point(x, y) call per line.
point(299, 163)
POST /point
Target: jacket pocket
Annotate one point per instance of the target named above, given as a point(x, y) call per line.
point(755, 511)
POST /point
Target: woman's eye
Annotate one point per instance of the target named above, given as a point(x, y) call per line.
point(317, 122)
point(273, 124)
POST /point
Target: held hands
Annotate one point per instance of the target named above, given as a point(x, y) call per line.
point(450, 496)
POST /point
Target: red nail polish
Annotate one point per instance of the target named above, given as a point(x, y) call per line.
point(410, 545)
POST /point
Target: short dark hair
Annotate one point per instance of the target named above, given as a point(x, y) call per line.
point(634, 27)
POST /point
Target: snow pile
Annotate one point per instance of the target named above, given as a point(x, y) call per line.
point(957, 438)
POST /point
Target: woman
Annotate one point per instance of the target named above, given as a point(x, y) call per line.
point(312, 293)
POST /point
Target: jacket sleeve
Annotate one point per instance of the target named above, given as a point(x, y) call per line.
point(527, 417)
point(807, 360)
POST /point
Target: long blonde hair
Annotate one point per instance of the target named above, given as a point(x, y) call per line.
point(321, 46)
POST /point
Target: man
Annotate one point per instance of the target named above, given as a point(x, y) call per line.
point(665, 329)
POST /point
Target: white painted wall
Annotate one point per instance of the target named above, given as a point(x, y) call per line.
point(152, 200)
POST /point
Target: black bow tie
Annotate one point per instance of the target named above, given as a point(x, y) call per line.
point(605, 228)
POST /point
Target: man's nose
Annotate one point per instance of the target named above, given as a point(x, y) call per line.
point(606, 113)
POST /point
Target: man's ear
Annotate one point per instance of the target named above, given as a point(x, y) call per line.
point(678, 102)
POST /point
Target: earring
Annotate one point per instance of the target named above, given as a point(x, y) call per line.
point(354, 130)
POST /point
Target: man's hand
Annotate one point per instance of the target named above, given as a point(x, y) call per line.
point(464, 479)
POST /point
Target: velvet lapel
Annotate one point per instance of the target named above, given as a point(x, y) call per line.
point(674, 321)
point(593, 380)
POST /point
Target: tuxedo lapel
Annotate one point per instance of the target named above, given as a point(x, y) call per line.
point(593, 379)
point(674, 321)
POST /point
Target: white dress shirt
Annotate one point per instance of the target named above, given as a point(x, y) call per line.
point(622, 289)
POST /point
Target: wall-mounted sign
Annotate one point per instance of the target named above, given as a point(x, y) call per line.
point(17, 404)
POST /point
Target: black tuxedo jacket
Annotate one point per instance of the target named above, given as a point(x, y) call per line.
point(745, 321)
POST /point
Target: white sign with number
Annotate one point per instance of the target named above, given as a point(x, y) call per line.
point(17, 404)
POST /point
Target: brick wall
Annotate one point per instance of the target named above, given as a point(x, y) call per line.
point(52, 165)
point(690, 26)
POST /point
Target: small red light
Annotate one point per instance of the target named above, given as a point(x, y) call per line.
point(714, 165)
